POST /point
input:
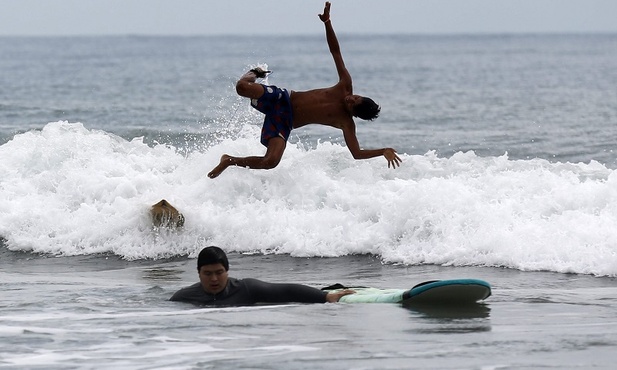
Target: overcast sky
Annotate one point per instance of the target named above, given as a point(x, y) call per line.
point(243, 17)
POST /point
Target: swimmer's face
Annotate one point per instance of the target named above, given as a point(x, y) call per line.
point(213, 278)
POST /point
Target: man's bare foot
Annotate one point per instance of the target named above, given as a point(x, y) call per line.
point(225, 162)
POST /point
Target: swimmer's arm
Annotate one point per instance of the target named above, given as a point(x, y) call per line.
point(264, 292)
point(334, 47)
point(351, 140)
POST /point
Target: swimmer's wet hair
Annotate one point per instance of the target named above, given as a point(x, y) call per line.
point(367, 109)
point(211, 256)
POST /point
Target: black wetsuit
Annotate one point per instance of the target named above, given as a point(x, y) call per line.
point(250, 291)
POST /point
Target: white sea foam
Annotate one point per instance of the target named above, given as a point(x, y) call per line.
point(68, 190)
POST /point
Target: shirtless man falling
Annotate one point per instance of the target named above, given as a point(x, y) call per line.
point(332, 106)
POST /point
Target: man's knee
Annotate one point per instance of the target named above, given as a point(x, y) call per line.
point(276, 147)
point(249, 89)
point(241, 88)
point(270, 162)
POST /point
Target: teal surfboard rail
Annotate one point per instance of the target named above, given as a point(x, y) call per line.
point(421, 288)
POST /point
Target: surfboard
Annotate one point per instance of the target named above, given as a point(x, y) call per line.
point(434, 292)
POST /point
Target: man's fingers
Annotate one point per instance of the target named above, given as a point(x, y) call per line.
point(396, 162)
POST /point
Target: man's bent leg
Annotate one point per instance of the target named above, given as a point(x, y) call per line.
point(274, 153)
point(247, 87)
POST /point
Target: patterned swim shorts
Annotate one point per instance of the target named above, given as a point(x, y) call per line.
point(275, 103)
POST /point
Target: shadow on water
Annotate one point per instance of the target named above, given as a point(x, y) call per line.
point(469, 311)
point(440, 319)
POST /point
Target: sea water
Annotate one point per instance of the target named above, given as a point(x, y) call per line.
point(507, 175)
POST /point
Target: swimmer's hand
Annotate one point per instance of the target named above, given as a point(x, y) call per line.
point(325, 17)
point(259, 72)
point(333, 297)
point(392, 158)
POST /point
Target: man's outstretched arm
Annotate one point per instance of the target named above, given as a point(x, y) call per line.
point(351, 140)
point(334, 47)
point(263, 292)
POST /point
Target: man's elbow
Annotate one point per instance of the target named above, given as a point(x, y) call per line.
point(357, 155)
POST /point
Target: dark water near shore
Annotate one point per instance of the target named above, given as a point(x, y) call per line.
point(103, 312)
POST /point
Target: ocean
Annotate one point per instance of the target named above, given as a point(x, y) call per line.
point(508, 174)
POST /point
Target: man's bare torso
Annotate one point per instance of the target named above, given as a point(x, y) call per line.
point(322, 106)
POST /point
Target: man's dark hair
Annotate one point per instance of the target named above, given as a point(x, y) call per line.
point(367, 109)
point(211, 256)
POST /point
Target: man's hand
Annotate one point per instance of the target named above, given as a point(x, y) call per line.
point(334, 297)
point(392, 158)
point(325, 17)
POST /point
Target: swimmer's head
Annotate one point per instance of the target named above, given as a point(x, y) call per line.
point(211, 256)
point(362, 107)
